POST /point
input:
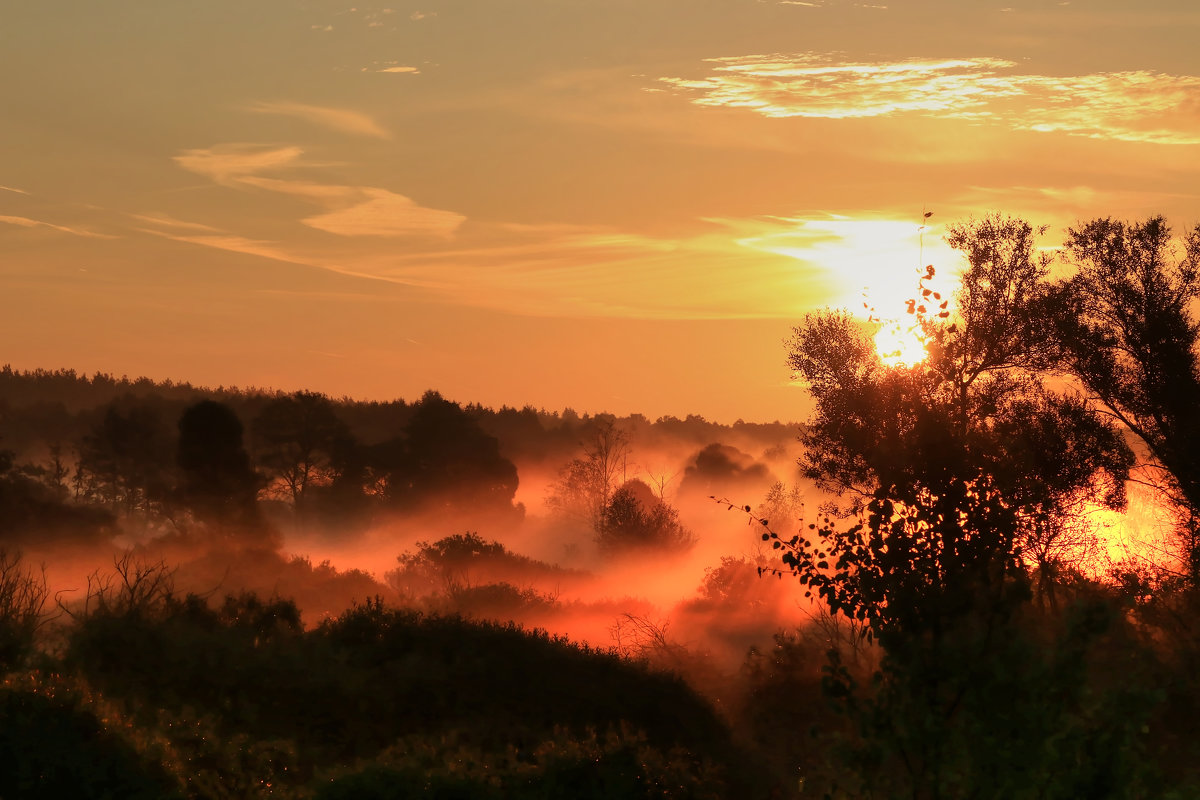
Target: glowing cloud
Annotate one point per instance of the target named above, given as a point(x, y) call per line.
point(228, 164)
point(350, 210)
point(338, 119)
point(1138, 106)
point(385, 213)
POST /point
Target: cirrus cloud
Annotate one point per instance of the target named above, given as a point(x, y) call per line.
point(1134, 106)
point(349, 210)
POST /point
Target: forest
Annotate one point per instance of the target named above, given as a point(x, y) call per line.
point(972, 574)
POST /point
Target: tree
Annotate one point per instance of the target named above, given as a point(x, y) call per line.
point(1129, 335)
point(962, 470)
point(294, 438)
point(125, 462)
point(216, 480)
point(446, 461)
point(636, 519)
point(586, 483)
point(23, 595)
point(980, 400)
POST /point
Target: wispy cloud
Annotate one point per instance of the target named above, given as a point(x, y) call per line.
point(13, 189)
point(230, 242)
point(348, 210)
point(1136, 106)
point(229, 164)
point(171, 223)
point(339, 119)
point(573, 270)
point(384, 213)
point(26, 222)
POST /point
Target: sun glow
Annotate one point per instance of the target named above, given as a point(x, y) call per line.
point(899, 345)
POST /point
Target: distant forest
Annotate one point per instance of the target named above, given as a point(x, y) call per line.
point(81, 452)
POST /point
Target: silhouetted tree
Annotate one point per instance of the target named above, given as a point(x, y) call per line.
point(979, 401)
point(721, 470)
point(294, 440)
point(586, 483)
point(217, 482)
point(446, 461)
point(1130, 336)
point(636, 519)
point(23, 595)
point(961, 468)
point(125, 462)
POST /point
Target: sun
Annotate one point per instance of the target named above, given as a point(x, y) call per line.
point(899, 345)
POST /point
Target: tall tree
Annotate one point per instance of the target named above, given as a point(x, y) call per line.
point(586, 483)
point(125, 461)
point(294, 439)
point(216, 480)
point(980, 400)
point(1130, 336)
point(445, 460)
point(962, 468)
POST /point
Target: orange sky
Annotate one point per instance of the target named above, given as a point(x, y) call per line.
point(609, 205)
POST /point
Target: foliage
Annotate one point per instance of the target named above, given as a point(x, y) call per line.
point(966, 473)
point(216, 480)
point(51, 748)
point(979, 403)
point(124, 462)
point(636, 520)
point(586, 483)
point(720, 468)
point(1129, 335)
point(446, 461)
point(294, 438)
point(618, 765)
point(460, 562)
point(355, 684)
point(23, 595)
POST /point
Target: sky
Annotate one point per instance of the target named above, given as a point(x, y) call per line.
point(608, 206)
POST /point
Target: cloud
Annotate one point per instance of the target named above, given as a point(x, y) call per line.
point(169, 222)
point(228, 164)
point(1134, 106)
point(348, 210)
point(26, 222)
point(13, 189)
point(384, 213)
point(565, 270)
point(230, 242)
point(401, 69)
point(338, 119)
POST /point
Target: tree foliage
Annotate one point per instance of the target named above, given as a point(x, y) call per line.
point(217, 481)
point(444, 461)
point(966, 473)
point(125, 461)
point(1130, 337)
point(636, 520)
point(294, 439)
